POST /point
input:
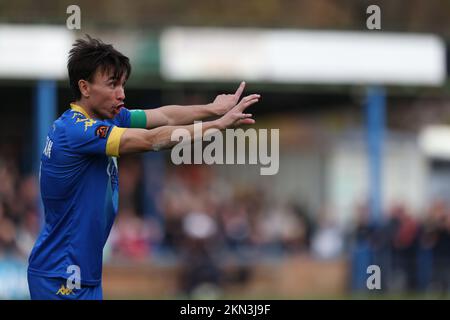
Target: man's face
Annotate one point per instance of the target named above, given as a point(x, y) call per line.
point(106, 94)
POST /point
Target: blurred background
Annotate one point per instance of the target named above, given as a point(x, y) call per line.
point(364, 170)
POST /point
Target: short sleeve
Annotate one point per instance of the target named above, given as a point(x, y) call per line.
point(89, 136)
point(135, 118)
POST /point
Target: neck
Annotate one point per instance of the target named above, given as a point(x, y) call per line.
point(86, 107)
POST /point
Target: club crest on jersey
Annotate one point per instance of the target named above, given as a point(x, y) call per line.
point(102, 131)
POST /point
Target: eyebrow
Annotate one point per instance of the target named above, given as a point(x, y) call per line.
point(112, 78)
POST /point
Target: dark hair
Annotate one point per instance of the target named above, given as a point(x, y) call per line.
point(88, 56)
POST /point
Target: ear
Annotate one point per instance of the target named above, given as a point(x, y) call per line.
point(84, 87)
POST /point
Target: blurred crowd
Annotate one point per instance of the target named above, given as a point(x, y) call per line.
point(19, 218)
point(412, 251)
point(217, 230)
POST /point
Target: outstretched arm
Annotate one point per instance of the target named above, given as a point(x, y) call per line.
point(175, 115)
point(141, 140)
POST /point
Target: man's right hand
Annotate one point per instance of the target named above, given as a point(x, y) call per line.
point(236, 116)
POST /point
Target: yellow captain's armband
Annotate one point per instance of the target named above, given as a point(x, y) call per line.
point(112, 145)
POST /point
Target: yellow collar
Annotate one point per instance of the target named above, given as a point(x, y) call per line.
point(77, 108)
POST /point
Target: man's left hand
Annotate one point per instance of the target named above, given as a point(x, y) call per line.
point(224, 102)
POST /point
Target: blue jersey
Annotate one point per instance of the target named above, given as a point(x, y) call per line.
point(79, 189)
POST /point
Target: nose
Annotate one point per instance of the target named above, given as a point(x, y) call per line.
point(121, 93)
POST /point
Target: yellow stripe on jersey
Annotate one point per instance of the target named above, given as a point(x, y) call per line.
point(112, 145)
point(77, 108)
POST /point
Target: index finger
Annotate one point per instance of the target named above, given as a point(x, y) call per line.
point(239, 90)
point(247, 102)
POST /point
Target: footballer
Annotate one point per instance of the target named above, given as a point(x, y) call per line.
point(78, 173)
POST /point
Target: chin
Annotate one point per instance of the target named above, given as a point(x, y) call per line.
point(109, 115)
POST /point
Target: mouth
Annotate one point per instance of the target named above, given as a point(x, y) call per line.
point(116, 109)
